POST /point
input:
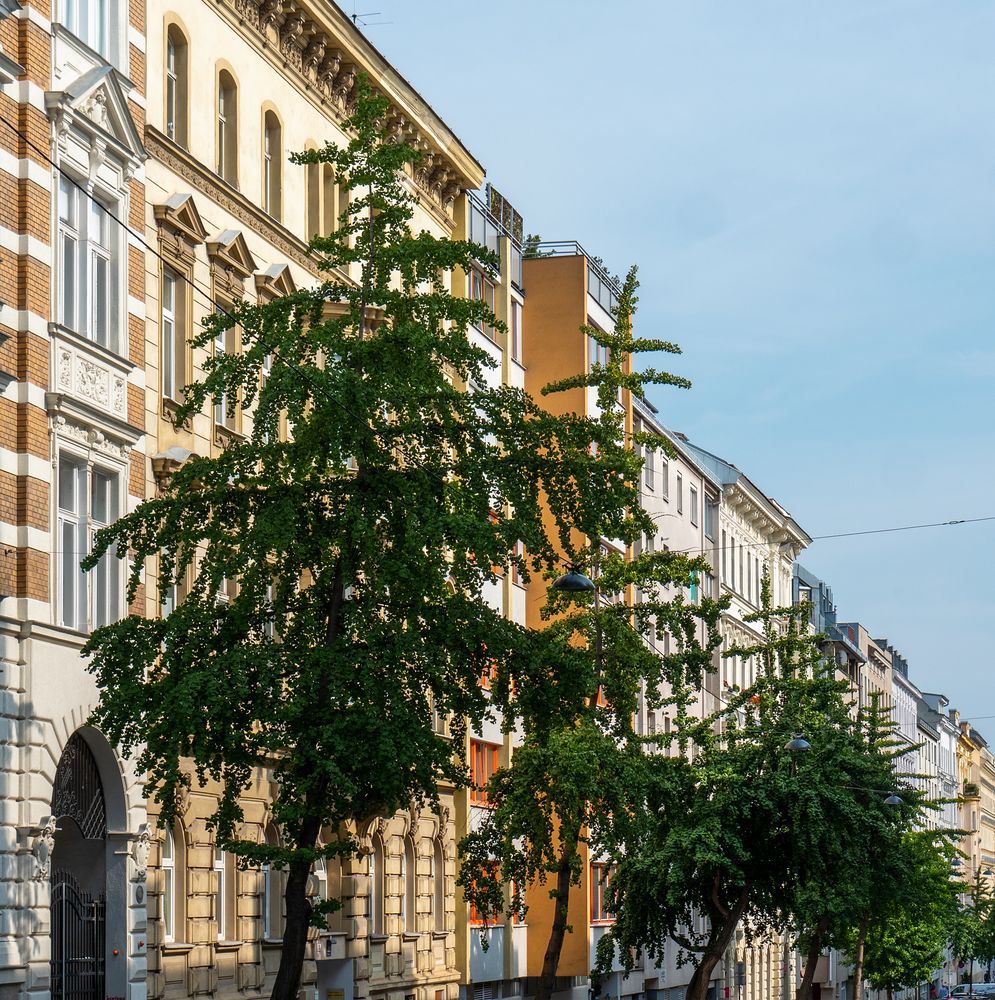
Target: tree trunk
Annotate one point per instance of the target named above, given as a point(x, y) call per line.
point(812, 959)
point(888, 993)
point(295, 929)
point(858, 964)
point(288, 978)
point(723, 927)
point(544, 988)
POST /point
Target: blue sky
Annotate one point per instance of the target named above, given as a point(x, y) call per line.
point(809, 192)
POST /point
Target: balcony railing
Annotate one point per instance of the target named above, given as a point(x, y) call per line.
point(486, 230)
point(601, 286)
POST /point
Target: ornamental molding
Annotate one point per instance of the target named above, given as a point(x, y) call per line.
point(90, 373)
point(295, 41)
point(42, 846)
point(140, 849)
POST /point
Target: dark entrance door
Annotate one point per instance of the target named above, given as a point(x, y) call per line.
point(77, 941)
point(79, 881)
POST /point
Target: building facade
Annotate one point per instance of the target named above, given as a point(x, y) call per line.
point(74, 839)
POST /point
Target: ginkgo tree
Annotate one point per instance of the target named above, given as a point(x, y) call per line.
point(333, 575)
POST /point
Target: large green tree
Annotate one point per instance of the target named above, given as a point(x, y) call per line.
point(573, 687)
point(334, 575)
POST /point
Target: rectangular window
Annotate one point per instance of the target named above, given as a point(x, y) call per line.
point(601, 879)
point(225, 408)
point(725, 568)
point(680, 493)
point(649, 468)
point(87, 503)
point(482, 290)
point(664, 478)
point(483, 764)
point(89, 265)
point(516, 330)
point(173, 334)
point(597, 354)
point(171, 89)
point(711, 517)
point(693, 502)
point(89, 21)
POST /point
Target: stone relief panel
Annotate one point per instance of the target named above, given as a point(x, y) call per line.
point(81, 372)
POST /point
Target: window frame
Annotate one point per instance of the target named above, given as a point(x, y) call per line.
point(80, 519)
point(272, 164)
point(485, 759)
point(693, 504)
point(176, 89)
point(80, 220)
point(487, 289)
point(226, 127)
point(601, 875)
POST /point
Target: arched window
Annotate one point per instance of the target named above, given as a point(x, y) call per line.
point(439, 886)
point(409, 884)
point(227, 162)
point(176, 85)
point(272, 164)
point(312, 184)
point(168, 865)
point(272, 902)
point(329, 193)
point(377, 887)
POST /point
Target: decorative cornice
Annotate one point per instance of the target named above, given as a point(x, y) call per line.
point(325, 53)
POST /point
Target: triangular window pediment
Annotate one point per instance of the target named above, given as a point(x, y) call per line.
point(95, 102)
point(179, 213)
point(276, 280)
point(229, 250)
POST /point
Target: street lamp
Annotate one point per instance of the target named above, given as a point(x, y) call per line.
point(894, 800)
point(797, 744)
point(573, 581)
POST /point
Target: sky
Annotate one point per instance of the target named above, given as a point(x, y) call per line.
point(809, 192)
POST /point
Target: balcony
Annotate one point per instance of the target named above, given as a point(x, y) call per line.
point(488, 231)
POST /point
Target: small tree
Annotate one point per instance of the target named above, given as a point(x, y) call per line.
point(906, 933)
point(335, 574)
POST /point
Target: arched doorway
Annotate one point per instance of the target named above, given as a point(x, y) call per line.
point(79, 876)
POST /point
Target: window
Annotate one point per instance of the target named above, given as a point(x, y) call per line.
point(176, 85)
point(439, 885)
point(168, 887)
point(312, 186)
point(225, 407)
point(483, 764)
point(680, 493)
point(693, 503)
point(515, 332)
point(664, 478)
point(711, 517)
point(694, 586)
point(89, 21)
point(649, 468)
point(601, 878)
point(174, 338)
point(272, 903)
point(377, 887)
point(482, 290)
point(227, 161)
point(88, 501)
point(477, 918)
point(409, 881)
point(89, 262)
point(725, 570)
point(596, 353)
point(222, 890)
point(329, 208)
point(272, 164)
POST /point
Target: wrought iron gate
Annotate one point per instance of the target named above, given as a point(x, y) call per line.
point(77, 941)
